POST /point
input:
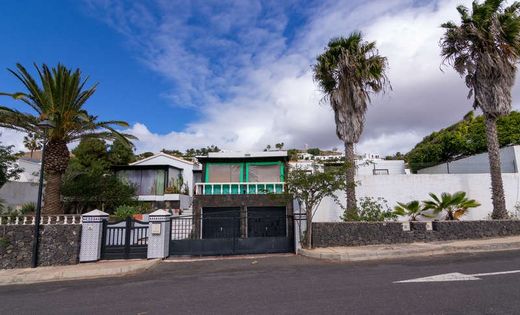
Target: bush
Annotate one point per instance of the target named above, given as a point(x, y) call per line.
point(123, 212)
point(372, 209)
point(28, 207)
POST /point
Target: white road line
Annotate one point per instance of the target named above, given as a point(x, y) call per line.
point(456, 276)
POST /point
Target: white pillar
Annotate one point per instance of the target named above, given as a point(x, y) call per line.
point(159, 234)
point(91, 235)
point(300, 225)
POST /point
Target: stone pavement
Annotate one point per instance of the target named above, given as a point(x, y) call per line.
point(98, 269)
point(396, 251)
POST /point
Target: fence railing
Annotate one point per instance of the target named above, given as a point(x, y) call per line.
point(45, 220)
point(236, 188)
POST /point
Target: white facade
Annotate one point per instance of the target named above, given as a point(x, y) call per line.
point(405, 188)
point(31, 170)
point(380, 167)
point(161, 158)
point(509, 159)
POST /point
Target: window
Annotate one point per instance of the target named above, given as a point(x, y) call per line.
point(223, 173)
point(147, 182)
point(264, 173)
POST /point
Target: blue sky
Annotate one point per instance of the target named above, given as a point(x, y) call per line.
point(237, 73)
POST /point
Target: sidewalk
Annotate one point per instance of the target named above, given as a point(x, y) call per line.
point(396, 251)
point(75, 272)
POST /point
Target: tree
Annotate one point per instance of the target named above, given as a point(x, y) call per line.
point(32, 142)
point(348, 72)
point(8, 168)
point(464, 138)
point(144, 155)
point(268, 148)
point(279, 146)
point(309, 188)
point(120, 153)
point(314, 151)
point(455, 205)
point(59, 97)
point(90, 182)
point(485, 49)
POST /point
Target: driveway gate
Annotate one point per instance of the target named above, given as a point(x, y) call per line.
point(124, 239)
point(222, 231)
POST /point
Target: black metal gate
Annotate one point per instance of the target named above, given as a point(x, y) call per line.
point(125, 239)
point(226, 232)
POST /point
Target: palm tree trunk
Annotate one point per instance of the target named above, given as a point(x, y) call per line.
point(52, 197)
point(497, 187)
point(351, 181)
point(55, 164)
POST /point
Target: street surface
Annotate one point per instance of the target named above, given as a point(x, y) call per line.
point(288, 285)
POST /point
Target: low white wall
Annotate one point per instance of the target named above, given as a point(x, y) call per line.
point(405, 188)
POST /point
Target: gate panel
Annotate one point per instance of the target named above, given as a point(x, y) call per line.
point(267, 232)
point(126, 239)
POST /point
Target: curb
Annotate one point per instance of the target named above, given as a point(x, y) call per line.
point(355, 254)
point(74, 272)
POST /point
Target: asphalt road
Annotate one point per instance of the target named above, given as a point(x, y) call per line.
point(283, 284)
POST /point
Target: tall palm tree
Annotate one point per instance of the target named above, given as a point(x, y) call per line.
point(59, 97)
point(348, 72)
point(32, 142)
point(485, 48)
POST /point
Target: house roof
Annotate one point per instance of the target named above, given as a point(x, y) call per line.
point(164, 155)
point(234, 154)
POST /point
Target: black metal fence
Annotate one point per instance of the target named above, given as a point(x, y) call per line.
point(228, 235)
point(125, 239)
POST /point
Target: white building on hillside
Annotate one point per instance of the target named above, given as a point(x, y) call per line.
point(479, 163)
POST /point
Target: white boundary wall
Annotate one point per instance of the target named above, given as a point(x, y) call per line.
point(405, 188)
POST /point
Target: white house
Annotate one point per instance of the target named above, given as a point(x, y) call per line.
point(162, 179)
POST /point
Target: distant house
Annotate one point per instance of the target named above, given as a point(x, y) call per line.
point(164, 180)
point(477, 164)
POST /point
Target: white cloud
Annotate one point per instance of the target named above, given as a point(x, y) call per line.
point(253, 85)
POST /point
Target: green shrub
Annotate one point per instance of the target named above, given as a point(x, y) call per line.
point(123, 212)
point(372, 209)
point(28, 207)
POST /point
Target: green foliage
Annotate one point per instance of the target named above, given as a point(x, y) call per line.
point(144, 155)
point(466, 137)
point(455, 205)
point(371, 209)
point(32, 142)
point(202, 151)
point(8, 168)
point(90, 183)
point(125, 211)
point(28, 207)
point(314, 151)
point(176, 153)
point(120, 153)
point(412, 209)
point(178, 186)
point(293, 154)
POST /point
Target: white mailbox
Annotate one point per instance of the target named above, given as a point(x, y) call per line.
point(406, 226)
point(156, 228)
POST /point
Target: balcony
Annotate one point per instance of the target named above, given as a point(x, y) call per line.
point(239, 188)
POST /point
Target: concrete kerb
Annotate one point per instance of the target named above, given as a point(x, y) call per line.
point(83, 271)
point(397, 251)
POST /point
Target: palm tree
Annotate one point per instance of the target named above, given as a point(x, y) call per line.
point(32, 142)
point(412, 209)
point(348, 72)
point(59, 97)
point(455, 205)
point(485, 48)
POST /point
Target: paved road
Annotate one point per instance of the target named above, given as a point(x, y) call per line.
point(283, 284)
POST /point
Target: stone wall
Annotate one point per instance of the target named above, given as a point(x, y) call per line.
point(59, 245)
point(372, 233)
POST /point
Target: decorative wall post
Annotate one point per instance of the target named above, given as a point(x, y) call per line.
point(91, 235)
point(300, 225)
point(159, 234)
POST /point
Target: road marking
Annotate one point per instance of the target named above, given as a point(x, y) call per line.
point(457, 276)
